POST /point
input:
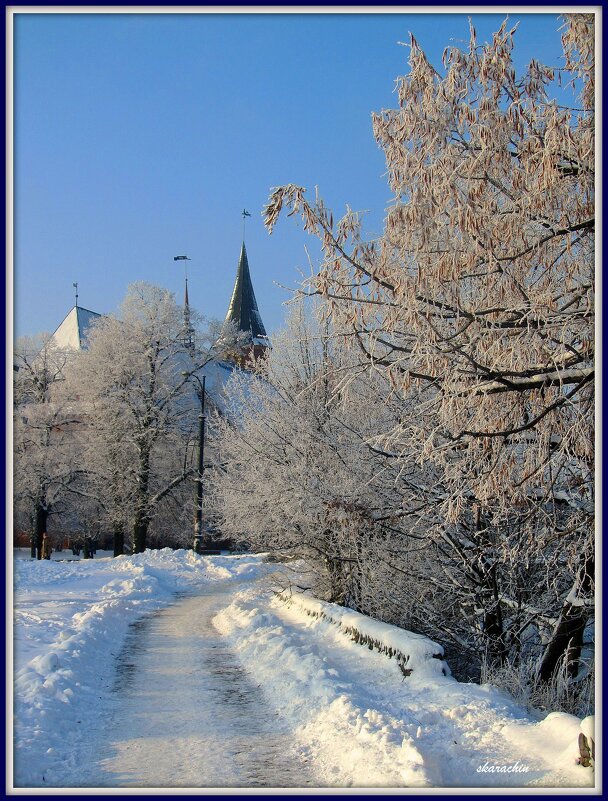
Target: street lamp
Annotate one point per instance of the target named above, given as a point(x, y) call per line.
point(197, 545)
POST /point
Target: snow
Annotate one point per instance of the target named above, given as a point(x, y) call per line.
point(573, 599)
point(366, 725)
point(217, 374)
point(344, 709)
point(588, 727)
point(71, 619)
point(73, 331)
point(412, 651)
point(555, 737)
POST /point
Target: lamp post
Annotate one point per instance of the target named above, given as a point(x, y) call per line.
point(197, 545)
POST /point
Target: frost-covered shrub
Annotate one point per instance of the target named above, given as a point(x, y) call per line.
point(563, 694)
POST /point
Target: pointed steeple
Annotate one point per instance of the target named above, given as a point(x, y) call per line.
point(188, 330)
point(186, 311)
point(243, 309)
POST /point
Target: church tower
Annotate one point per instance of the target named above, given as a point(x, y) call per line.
point(243, 312)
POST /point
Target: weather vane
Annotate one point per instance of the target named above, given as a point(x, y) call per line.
point(244, 214)
point(75, 285)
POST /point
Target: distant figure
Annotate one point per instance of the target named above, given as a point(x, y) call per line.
point(76, 549)
point(47, 549)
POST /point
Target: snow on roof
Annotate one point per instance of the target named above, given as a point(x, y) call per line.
point(72, 333)
point(217, 373)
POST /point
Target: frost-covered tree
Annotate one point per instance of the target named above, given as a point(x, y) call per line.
point(480, 293)
point(277, 488)
point(299, 476)
point(46, 436)
point(133, 388)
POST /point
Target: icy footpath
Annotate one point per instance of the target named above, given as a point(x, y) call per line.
point(71, 620)
point(357, 717)
point(363, 723)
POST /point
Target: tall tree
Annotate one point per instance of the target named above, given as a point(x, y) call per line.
point(298, 476)
point(46, 435)
point(481, 289)
point(133, 388)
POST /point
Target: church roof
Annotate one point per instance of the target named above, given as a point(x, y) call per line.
point(217, 373)
point(243, 309)
point(73, 331)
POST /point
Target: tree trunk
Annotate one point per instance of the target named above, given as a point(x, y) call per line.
point(336, 580)
point(119, 539)
point(41, 521)
point(493, 628)
point(140, 533)
point(493, 625)
point(355, 578)
point(142, 521)
point(567, 639)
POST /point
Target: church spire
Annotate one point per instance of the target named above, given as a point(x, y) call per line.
point(243, 313)
point(243, 308)
point(188, 331)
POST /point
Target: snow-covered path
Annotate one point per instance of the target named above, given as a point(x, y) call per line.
point(170, 670)
point(187, 714)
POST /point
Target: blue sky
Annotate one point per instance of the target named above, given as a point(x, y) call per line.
point(138, 137)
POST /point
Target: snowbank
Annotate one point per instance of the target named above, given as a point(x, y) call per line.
point(555, 737)
point(71, 620)
point(325, 671)
point(350, 744)
point(363, 724)
point(412, 651)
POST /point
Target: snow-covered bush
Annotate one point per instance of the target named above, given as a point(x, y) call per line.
point(562, 694)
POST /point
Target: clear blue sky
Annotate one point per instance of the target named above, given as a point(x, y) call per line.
point(142, 136)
